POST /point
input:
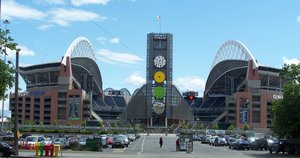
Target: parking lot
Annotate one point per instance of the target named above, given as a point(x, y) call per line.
point(148, 147)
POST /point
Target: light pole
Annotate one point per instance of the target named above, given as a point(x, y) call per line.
point(16, 103)
point(2, 121)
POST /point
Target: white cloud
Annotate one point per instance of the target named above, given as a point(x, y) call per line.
point(86, 2)
point(135, 79)
point(12, 9)
point(193, 83)
point(298, 18)
point(115, 40)
point(64, 17)
point(117, 58)
point(24, 52)
point(54, 1)
point(101, 39)
point(45, 26)
point(290, 61)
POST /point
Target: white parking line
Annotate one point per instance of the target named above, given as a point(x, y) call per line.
point(136, 143)
point(142, 149)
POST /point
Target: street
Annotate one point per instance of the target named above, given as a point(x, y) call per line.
point(148, 147)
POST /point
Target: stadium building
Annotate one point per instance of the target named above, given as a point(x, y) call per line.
point(68, 91)
point(238, 90)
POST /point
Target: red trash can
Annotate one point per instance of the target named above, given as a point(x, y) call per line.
point(46, 148)
point(51, 149)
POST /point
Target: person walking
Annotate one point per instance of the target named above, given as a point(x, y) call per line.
point(161, 141)
point(177, 144)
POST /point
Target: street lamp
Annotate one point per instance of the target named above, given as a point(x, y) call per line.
point(5, 53)
point(16, 103)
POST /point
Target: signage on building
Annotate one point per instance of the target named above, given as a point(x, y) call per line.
point(32, 93)
point(277, 97)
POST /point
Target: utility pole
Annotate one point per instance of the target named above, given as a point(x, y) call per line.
point(16, 103)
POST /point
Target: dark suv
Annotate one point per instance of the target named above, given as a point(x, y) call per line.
point(259, 144)
point(278, 146)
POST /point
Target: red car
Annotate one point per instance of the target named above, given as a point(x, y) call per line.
point(109, 140)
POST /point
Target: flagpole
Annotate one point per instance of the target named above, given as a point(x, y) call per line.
point(158, 18)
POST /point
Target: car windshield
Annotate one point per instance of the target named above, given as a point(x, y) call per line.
point(4, 144)
point(32, 139)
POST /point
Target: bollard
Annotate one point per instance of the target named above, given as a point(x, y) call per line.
point(51, 148)
point(36, 148)
point(46, 147)
point(56, 150)
point(41, 149)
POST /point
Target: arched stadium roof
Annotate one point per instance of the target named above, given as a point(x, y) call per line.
point(80, 47)
point(83, 58)
point(232, 56)
point(233, 50)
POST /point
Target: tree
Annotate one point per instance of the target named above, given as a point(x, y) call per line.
point(84, 123)
point(7, 72)
point(286, 111)
point(215, 126)
point(231, 128)
point(246, 127)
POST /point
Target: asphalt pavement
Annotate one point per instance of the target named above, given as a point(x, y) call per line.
point(148, 147)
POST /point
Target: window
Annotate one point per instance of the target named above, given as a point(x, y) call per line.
point(255, 116)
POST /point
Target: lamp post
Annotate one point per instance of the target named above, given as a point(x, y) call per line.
point(2, 121)
point(16, 103)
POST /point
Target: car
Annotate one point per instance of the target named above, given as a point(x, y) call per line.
point(259, 144)
point(61, 141)
point(212, 140)
point(126, 140)
point(241, 144)
point(278, 146)
point(9, 140)
point(103, 140)
point(118, 141)
point(6, 150)
point(109, 140)
point(220, 141)
point(131, 137)
point(206, 139)
point(230, 142)
point(31, 140)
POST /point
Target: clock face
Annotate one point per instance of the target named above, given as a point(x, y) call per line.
point(159, 76)
point(159, 61)
point(159, 92)
point(158, 107)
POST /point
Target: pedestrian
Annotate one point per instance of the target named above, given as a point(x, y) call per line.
point(161, 141)
point(177, 144)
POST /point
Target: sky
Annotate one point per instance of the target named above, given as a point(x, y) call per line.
point(117, 30)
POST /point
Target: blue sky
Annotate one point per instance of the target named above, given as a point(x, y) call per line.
point(118, 29)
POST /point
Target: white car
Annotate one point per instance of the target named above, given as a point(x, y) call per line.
point(31, 140)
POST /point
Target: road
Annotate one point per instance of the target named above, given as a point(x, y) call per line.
point(148, 147)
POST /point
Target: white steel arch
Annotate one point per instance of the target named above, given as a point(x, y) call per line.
point(80, 47)
point(233, 49)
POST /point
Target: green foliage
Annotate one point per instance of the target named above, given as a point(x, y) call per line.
point(138, 126)
point(231, 128)
point(28, 122)
point(7, 72)
point(246, 127)
point(100, 124)
point(83, 123)
point(199, 126)
point(215, 126)
point(113, 124)
point(286, 112)
point(185, 126)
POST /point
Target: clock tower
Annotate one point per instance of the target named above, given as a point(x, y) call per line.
point(159, 78)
